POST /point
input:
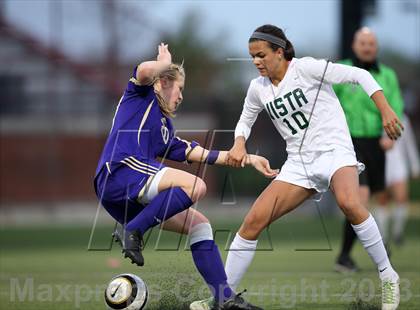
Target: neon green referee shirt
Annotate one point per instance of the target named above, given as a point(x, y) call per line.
point(363, 118)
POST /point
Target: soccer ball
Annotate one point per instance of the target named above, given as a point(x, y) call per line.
point(126, 292)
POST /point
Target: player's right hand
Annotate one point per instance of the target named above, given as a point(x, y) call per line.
point(163, 53)
point(392, 124)
point(262, 165)
point(237, 155)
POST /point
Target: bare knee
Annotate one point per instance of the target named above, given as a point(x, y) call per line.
point(252, 226)
point(348, 203)
point(197, 189)
point(352, 208)
point(192, 185)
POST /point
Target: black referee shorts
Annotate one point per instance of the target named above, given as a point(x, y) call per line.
point(369, 152)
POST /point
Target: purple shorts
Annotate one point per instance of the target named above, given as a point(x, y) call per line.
point(120, 185)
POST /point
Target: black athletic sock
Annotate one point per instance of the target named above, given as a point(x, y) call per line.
point(348, 239)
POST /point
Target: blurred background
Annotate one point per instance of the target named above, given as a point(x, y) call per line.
point(65, 64)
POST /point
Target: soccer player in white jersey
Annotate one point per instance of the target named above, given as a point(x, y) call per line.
point(401, 163)
point(297, 94)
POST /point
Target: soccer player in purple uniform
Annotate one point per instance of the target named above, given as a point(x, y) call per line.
point(140, 192)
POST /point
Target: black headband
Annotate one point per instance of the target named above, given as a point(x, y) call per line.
point(270, 38)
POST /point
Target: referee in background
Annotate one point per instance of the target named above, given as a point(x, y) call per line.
point(365, 124)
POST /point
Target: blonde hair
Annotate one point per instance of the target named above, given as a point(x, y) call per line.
point(172, 73)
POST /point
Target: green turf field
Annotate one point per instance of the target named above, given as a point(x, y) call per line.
point(50, 268)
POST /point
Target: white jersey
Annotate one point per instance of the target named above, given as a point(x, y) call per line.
point(305, 126)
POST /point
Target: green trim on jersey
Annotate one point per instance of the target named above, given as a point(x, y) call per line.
point(363, 118)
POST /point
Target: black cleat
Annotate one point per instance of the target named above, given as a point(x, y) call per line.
point(345, 265)
point(132, 245)
point(235, 303)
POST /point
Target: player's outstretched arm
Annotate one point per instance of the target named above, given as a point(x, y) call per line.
point(338, 73)
point(200, 155)
point(237, 154)
point(390, 120)
point(261, 164)
point(147, 71)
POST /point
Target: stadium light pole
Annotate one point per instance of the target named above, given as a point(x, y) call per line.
point(353, 13)
point(2, 6)
point(351, 20)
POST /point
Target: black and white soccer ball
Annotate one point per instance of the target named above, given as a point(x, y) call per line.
point(126, 292)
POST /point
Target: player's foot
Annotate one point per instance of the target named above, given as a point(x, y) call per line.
point(235, 303)
point(390, 294)
point(345, 264)
point(132, 244)
point(205, 304)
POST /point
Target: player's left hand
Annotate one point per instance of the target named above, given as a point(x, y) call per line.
point(262, 165)
point(163, 54)
point(392, 124)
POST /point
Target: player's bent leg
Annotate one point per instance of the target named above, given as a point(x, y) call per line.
point(276, 200)
point(344, 184)
point(204, 251)
point(177, 191)
point(345, 187)
point(192, 185)
point(165, 196)
point(207, 259)
point(344, 262)
point(184, 222)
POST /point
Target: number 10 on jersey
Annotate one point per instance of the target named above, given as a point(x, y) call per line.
point(300, 121)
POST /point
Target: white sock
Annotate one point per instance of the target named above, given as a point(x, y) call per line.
point(241, 253)
point(381, 215)
point(371, 240)
point(399, 217)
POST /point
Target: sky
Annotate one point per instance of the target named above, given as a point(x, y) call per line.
point(312, 25)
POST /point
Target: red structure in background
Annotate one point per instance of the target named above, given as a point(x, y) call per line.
point(36, 168)
point(47, 165)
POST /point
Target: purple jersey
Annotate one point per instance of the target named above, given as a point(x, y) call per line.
point(141, 130)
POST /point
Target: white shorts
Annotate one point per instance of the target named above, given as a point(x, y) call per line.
point(396, 169)
point(151, 188)
point(317, 173)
